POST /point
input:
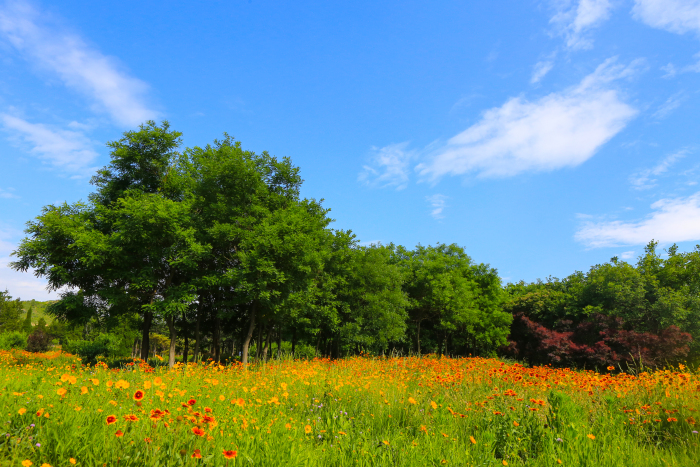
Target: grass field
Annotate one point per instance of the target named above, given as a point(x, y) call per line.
point(351, 412)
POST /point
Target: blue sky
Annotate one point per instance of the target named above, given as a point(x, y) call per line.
point(542, 136)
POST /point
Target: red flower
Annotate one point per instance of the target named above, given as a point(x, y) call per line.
point(191, 402)
point(198, 431)
point(197, 454)
point(230, 454)
point(119, 434)
point(138, 395)
point(111, 419)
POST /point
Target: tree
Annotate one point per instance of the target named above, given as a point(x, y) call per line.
point(455, 297)
point(10, 313)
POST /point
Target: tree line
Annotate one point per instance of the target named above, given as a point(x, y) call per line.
point(215, 248)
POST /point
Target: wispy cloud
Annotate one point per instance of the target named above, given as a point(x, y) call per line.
point(625, 255)
point(8, 193)
point(65, 149)
point(672, 220)
point(81, 67)
point(19, 284)
point(677, 16)
point(540, 70)
point(671, 104)
point(644, 179)
point(562, 129)
point(437, 203)
point(389, 167)
point(574, 19)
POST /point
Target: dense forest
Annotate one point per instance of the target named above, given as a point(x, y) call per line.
point(211, 252)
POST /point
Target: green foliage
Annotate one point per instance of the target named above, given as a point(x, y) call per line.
point(105, 345)
point(13, 340)
point(10, 313)
point(650, 296)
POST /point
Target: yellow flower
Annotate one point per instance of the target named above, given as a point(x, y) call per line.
point(21, 411)
point(45, 465)
point(96, 382)
point(433, 405)
point(72, 461)
point(307, 429)
point(147, 385)
point(504, 462)
point(590, 436)
point(222, 397)
point(26, 463)
point(411, 400)
point(83, 390)
point(471, 438)
point(61, 391)
point(558, 461)
point(158, 381)
point(386, 442)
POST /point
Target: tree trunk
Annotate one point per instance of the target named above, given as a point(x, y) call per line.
point(418, 338)
point(279, 343)
point(173, 340)
point(267, 344)
point(294, 341)
point(249, 335)
point(216, 337)
point(186, 350)
point(145, 335)
point(196, 331)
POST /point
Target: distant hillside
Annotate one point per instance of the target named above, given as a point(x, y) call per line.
point(39, 310)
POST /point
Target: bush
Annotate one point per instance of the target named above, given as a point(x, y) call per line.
point(13, 340)
point(105, 345)
point(38, 341)
point(598, 342)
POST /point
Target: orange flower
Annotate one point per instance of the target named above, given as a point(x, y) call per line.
point(207, 409)
point(411, 400)
point(307, 429)
point(138, 395)
point(433, 405)
point(471, 438)
point(671, 419)
point(504, 462)
point(611, 368)
point(111, 419)
point(61, 392)
point(198, 431)
point(148, 440)
point(72, 461)
point(26, 463)
point(230, 454)
point(516, 423)
point(590, 436)
point(131, 418)
point(119, 434)
point(196, 454)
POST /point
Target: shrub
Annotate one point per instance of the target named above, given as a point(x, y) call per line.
point(13, 340)
point(105, 345)
point(598, 342)
point(38, 341)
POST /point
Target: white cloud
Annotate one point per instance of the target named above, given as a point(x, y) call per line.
point(66, 149)
point(541, 69)
point(575, 20)
point(78, 65)
point(625, 255)
point(677, 16)
point(389, 167)
point(672, 220)
point(438, 204)
point(8, 193)
point(644, 179)
point(562, 129)
point(19, 284)
point(671, 104)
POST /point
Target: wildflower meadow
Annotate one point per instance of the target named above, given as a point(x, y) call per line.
point(403, 411)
